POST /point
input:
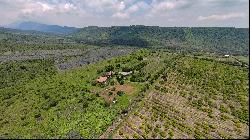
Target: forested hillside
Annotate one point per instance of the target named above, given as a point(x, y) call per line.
point(214, 39)
point(32, 37)
point(233, 41)
point(12, 40)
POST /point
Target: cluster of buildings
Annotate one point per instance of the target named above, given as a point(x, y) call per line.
point(107, 75)
point(104, 78)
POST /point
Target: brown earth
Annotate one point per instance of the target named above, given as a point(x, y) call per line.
point(108, 97)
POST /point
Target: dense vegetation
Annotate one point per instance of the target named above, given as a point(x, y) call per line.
point(219, 40)
point(234, 41)
point(12, 40)
point(176, 88)
point(57, 105)
point(16, 73)
point(43, 103)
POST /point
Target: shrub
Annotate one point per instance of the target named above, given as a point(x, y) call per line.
point(73, 134)
point(163, 134)
point(8, 95)
point(224, 117)
point(136, 113)
point(99, 71)
point(97, 95)
point(113, 89)
point(149, 127)
point(126, 69)
point(93, 83)
point(171, 134)
point(154, 135)
point(126, 136)
point(144, 89)
point(85, 104)
point(120, 93)
point(110, 93)
point(157, 125)
point(157, 87)
point(164, 89)
point(198, 134)
point(121, 82)
point(112, 82)
point(109, 68)
point(124, 111)
point(37, 115)
point(118, 66)
point(49, 104)
point(223, 109)
point(161, 82)
point(141, 94)
point(136, 136)
point(140, 58)
point(145, 136)
point(120, 132)
point(156, 130)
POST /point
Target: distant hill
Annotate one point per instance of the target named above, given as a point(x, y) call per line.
point(220, 40)
point(55, 29)
point(24, 32)
point(23, 40)
point(225, 40)
point(17, 36)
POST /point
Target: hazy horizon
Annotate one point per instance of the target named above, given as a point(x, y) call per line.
point(5, 26)
point(106, 13)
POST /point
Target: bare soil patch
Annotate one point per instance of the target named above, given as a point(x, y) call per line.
point(128, 89)
point(110, 93)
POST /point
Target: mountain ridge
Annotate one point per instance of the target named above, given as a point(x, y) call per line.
point(55, 29)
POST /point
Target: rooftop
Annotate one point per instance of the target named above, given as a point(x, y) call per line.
point(125, 73)
point(102, 79)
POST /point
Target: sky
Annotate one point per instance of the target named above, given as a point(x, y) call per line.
point(169, 13)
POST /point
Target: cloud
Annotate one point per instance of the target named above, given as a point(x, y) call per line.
point(126, 12)
point(167, 6)
point(69, 6)
point(225, 3)
point(221, 17)
point(121, 15)
point(100, 6)
point(163, 6)
point(36, 7)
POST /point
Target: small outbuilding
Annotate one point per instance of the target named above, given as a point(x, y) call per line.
point(102, 79)
point(125, 73)
point(108, 74)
